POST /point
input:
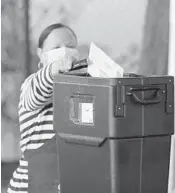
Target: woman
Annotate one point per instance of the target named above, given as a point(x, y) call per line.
point(38, 168)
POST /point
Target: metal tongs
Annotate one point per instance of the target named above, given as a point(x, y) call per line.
point(79, 68)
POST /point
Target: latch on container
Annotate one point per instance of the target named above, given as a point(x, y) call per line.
point(169, 98)
point(120, 99)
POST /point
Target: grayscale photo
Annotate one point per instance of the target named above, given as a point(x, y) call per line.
point(87, 96)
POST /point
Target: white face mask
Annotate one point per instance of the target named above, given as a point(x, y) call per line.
point(59, 53)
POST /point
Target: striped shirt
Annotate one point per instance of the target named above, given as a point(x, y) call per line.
point(36, 122)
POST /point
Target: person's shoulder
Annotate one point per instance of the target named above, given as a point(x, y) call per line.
point(29, 77)
point(27, 80)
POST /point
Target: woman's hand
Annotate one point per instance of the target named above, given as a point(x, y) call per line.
point(64, 63)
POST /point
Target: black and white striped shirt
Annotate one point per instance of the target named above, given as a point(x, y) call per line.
point(36, 122)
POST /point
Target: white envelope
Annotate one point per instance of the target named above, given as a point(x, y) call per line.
point(101, 65)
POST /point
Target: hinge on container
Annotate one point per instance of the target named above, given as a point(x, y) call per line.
point(169, 98)
point(120, 99)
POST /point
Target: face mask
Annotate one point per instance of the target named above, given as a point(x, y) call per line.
point(59, 53)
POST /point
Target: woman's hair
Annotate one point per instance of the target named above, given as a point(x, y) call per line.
point(49, 29)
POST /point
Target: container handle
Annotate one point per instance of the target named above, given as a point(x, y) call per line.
point(141, 101)
point(82, 140)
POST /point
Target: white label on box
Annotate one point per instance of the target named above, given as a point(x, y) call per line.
point(87, 112)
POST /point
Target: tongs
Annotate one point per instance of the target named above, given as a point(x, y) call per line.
point(79, 68)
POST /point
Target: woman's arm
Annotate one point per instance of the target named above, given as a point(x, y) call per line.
point(37, 90)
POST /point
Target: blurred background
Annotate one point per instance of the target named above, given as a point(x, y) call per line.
point(133, 33)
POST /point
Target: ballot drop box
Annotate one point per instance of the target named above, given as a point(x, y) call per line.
point(113, 135)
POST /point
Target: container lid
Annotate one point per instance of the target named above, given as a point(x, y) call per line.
point(128, 79)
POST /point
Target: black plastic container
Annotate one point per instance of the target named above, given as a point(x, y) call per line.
point(114, 135)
